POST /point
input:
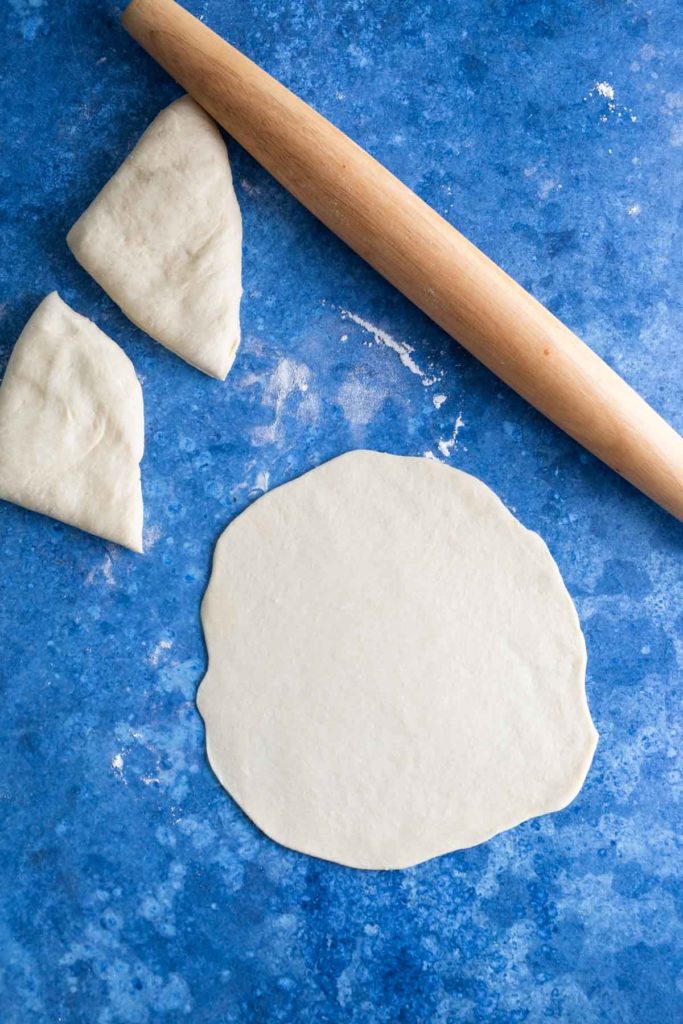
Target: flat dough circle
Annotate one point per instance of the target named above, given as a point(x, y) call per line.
point(396, 669)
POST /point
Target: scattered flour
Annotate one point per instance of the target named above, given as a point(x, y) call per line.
point(438, 401)
point(358, 401)
point(673, 107)
point(676, 136)
point(262, 481)
point(605, 89)
point(155, 655)
point(157, 755)
point(673, 101)
point(446, 446)
point(402, 350)
point(105, 569)
point(634, 210)
point(150, 537)
point(251, 190)
point(289, 378)
point(547, 186)
point(360, 57)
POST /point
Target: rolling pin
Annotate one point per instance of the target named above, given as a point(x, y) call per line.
point(418, 251)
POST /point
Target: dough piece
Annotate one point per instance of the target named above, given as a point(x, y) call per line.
point(71, 426)
point(395, 667)
point(164, 239)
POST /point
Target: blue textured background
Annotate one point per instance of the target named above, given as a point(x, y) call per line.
point(132, 889)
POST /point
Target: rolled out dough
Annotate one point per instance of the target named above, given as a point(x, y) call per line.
point(396, 669)
point(71, 426)
point(164, 239)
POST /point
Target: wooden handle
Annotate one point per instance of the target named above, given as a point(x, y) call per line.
point(451, 280)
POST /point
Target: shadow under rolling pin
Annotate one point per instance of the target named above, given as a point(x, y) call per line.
point(419, 252)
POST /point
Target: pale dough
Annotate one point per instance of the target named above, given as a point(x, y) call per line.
point(164, 239)
point(396, 669)
point(72, 426)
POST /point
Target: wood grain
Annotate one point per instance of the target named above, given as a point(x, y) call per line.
point(423, 255)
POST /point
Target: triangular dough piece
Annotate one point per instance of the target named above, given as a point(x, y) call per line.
point(72, 426)
point(164, 239)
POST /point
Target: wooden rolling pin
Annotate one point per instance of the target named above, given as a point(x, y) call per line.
point(451, 280)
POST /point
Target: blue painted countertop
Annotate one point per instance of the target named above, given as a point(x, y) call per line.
point(132, 890)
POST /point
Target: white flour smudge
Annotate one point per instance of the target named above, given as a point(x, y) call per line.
point(359, 403)
point(438, 400)
point(360, 58)
point(117, 765)
point(150, 537)
point(163, 645)
point(673, 107)
point(160, 745)
point(634, 210)
point(105, 569)
point(262, 481)
point(429, 455)
point(402, 350)
point(251, 190)
point(446, 446)
point(30, 21)
point(547, 186)
point(605, 89)
point(289, 378)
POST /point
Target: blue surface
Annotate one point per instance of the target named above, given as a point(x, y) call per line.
point(132, 889)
